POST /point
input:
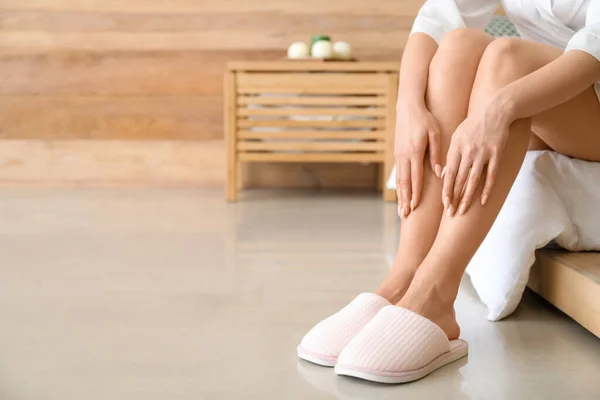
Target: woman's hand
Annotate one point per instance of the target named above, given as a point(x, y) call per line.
point(477, 143)
point(416, 131)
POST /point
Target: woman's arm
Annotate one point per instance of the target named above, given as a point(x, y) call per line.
point(559, 81)
point(416, 129)
point(414, 71)
point(554, 84)
point(479, 141)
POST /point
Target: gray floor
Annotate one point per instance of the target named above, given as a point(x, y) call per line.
point(172, 294)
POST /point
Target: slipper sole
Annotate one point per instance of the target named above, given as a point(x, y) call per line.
point(319, 359)
point(459, 350)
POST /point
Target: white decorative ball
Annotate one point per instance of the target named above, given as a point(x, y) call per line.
point(342, 50)
point(298, 50)
point(322, 49)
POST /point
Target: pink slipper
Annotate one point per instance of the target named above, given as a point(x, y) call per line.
point(398, 346)
point(325, 341)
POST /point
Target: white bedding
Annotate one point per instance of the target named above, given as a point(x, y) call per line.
point(553, 198)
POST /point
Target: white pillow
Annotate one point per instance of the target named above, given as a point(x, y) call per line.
point(553, 198)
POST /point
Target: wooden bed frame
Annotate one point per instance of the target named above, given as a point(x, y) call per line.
point(571, 282)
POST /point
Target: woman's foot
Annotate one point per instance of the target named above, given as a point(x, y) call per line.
point(429, 303)
point(326, 340)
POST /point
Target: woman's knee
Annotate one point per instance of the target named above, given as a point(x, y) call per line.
point(459, 49)
point(465, 37)
point(504, 60)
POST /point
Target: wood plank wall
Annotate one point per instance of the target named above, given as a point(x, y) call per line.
point(114, 70)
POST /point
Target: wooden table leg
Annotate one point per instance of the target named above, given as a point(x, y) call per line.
point(230, 136)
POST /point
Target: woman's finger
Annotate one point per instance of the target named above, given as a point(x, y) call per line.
point(398, 189)
point(490, 179)
point(449, 175)
point(416, 171)
point(404, 183)
point(435, 156)
point(472, 184)
point(466, 162)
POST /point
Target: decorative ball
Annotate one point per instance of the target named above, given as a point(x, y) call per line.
point(316, 38)
point(342, 50)
point(322, 49)
point(298, 50)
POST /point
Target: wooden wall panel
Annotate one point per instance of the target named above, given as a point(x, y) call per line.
point(160, 49)
point(198, 31)
point(65, 21)
point(111, 163)
point(182, 41)
point(166, 163)
point(354, 7)
point(141, 70)
point(153, 73)
point(110, 117)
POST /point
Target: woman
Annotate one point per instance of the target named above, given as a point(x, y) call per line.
point(469, 108)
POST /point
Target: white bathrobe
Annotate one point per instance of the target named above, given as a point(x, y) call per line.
point(566, 24)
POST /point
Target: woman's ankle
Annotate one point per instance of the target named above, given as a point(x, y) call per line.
point(434, 302)
point(435, 284)
point(422, 298)
point(395, 285)
point(391, 293)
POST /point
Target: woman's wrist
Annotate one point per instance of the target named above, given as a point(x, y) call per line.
point(411, 102)
point(502, 108)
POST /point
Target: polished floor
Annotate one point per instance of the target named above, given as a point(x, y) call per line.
point(127, 294)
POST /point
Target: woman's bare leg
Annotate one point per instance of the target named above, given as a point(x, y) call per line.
point(451, 76)
point(571, 128)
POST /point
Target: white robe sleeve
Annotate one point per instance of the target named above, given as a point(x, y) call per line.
point(588, 38)
point(438, 17)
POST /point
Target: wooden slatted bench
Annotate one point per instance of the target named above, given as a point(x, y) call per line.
point(571, 282)
point(310, 111)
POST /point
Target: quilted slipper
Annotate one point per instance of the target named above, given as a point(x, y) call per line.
point(398, 346)
point(325, 341)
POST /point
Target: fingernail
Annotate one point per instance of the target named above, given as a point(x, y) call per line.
point(443, 173)
point(450, 210)
point(462, 209)
point(400, 211)
point(412, 205)
point(484, 199)
point(438, 170)
point(446, 201)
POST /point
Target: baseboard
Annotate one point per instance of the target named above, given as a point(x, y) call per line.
point(111, 163)
point(108, 163)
